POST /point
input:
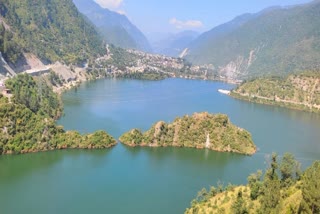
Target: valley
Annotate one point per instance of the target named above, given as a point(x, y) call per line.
point(208, 102)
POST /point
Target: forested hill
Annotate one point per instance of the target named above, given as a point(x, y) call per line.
point(299, 91)
point(274, 41)
point(53, 30)
point(114, 27)
point(27, 121)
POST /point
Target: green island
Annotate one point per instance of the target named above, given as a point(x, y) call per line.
point(282, 189)
point(201, 130)
point(296, 91)
point(27, 121)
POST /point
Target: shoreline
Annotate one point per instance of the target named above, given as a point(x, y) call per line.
point(270, 102)
point(69, 86)
point(145, 145)
point(58, 149)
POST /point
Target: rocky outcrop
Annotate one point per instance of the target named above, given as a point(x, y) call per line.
point(5, 69)
point(201, 130)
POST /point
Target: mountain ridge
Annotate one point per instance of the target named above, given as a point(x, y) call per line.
point(277, 40)
point(114, 27)
point(174, 44)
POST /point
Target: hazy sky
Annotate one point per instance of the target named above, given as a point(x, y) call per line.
point(164, 16)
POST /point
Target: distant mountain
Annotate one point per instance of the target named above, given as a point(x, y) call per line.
point(220, 31)
point(275, 41)
point(114, 27)
point(174, 44)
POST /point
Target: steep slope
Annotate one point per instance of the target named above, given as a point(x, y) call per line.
point(51, 30)
point(174, 44)
point(115, 28)
point(277, 40)
point(218, 32)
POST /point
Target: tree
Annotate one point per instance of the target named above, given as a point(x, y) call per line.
point(289, 168)
point(311, 189)
point(239, 206)
point(202, 195)
point(35, 95)
point(255, 184)
point(271, 188)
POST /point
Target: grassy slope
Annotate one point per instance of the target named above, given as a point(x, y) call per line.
point(222, 202)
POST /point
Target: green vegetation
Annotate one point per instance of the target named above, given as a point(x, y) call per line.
point(9, 47)
point(121, 58)
point(55, 79)
point(284, 191)
point(122, 63)
point(53, 31)
point(202, 130)
point(35, 95)
point(297, 91)
point(275, 41)
point(146, 75)
point(27, 121)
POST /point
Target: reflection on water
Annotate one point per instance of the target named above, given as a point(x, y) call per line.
point(140, 180)
point(190, 156)
point(17, 166)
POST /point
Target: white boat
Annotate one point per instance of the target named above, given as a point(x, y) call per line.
point(222, 91)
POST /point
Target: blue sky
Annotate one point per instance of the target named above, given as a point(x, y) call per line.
point(164, 16)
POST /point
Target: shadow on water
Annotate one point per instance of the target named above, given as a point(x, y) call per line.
point(17, 166)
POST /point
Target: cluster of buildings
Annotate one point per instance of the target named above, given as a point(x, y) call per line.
point(158, 61)
point(175, 67)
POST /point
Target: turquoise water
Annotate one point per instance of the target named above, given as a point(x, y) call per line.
point(147, 180)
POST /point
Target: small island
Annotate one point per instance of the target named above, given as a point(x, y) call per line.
point(201, 130)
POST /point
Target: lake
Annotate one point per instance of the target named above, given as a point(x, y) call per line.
point(147, 180)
